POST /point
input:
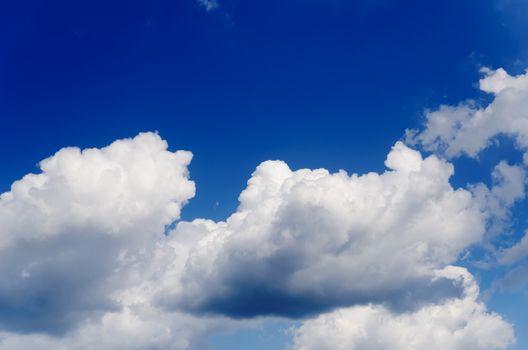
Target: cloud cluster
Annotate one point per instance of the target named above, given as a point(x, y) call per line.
point(85, 262)
point(454, 324)
point(307, 241)
point(467, 129)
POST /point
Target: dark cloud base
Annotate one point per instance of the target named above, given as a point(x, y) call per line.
point(254, 300)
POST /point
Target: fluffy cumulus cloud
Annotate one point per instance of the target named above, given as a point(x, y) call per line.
point(454, 324)
point(307, 241)
point(468, 128)
point(85, 262)
point(74, 236)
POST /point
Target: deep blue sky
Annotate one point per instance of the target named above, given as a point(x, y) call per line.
point(317, 83)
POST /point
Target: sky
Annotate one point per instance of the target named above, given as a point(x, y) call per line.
point(229, 174)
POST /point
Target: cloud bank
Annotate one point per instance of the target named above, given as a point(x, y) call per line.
point(86, 263)
point(308, 241)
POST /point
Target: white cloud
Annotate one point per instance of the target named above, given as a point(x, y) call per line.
point(468, 129)
point(305, 241)
point(132, 185)
point(73, 236)
point(454, 324)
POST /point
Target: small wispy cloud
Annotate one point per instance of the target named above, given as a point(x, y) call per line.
point(209, 5)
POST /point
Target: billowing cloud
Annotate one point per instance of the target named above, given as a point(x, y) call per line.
point(85, 262)
point(468, 128)
point(454, 324)
point(307, 241)
point(73, 235)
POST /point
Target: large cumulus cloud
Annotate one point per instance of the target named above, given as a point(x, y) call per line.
point(71, 234)
point(85, 262)
point(307, 241)
point(454, 324)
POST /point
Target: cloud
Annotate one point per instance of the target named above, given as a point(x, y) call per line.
point(85, 262)
point(515, 253)
point(209, 5)
point(513, 282)
point(468, 128)
point(307, 241)
point(72, 236)
point(136, 327)
point(454, 324)
point(497, 201)
point(137, 323)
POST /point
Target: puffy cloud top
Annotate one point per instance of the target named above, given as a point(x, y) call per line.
point(305, 241)
point(133, 184)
